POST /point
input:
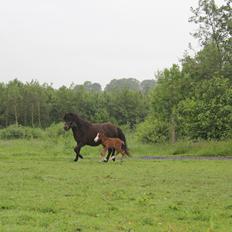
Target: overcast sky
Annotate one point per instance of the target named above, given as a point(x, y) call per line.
point(71, 41)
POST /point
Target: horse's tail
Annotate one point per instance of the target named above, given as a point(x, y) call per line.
point(123, 138)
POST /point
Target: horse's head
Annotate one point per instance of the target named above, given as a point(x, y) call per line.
point(69, 121)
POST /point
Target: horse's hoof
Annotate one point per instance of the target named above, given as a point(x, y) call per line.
point(75, 160)
point(105, 161)
point(81, 156)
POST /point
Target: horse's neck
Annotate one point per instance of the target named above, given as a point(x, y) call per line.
point(75, 132)
point(82, 124)
point(81, 127)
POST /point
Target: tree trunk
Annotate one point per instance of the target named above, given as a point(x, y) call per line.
point(16, 115)
point(173, 131)
point(6, 117)
point(25, 117)
point(32, 115)
point(39, 117)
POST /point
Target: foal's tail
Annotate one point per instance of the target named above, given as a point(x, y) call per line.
point(123, 138)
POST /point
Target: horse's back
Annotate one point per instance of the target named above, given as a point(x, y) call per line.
point(108, 128)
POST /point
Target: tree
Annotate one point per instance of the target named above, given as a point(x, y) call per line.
point(207, 113)
point(13, 100)
point(64, 101)
point(204, 65)
point(35, 104)
point(92, 87)
point(214, 26)
point(127, 106)
point(2, 105)
point(124, 83)
point(171, 87)
point(147, 85)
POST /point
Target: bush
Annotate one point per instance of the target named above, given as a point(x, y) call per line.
point(34, 133)
point(12, 132)
point(208, 114)
point(152, 131)
point(20, 132)
point(55, 130)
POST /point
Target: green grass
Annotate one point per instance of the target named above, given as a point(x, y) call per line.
point(57, 145)
point(42, 189)
point(200, 148)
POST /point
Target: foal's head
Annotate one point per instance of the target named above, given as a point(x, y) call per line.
point(99, 136)
point(69, 121)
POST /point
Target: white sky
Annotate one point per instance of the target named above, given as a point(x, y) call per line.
point(65, 41)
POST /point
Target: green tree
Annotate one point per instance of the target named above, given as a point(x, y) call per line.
point(63, 101)
point(2, 105)
point(13, 101)
point(204, 65)
point(35, 104)
point(171, 87)
point(127, 107)
point(214, 26)
point(147, 85)
point(124, 83)
point(92, 87)
point(207, 113)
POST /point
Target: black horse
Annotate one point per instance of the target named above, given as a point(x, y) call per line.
point(84, 133)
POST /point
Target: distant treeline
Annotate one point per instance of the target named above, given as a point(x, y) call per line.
point(38, 105)
point(189, 101)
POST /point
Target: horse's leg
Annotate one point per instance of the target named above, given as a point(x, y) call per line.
point(77, 150)
point(81, 156)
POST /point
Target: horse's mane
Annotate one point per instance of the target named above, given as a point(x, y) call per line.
point(82, 123)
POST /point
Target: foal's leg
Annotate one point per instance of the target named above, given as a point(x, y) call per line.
point(77, 150)
point(103, 153)
point(113, 157)
point(110, 150)
point(108, 155)
point(122, 152)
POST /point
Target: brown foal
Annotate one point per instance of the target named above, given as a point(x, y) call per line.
point(113, 143)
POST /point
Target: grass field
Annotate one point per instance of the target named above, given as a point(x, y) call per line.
point(42, 189)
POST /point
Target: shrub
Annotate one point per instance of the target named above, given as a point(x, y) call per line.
point(55, 130)
point(20, 132)
point(152, 131)
point(34, 133)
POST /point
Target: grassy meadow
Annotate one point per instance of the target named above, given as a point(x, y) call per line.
point(42, 189)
